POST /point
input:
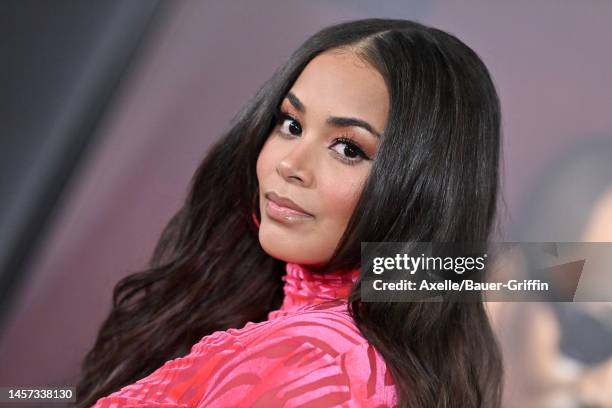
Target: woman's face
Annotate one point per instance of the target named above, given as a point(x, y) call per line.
point(319, 156)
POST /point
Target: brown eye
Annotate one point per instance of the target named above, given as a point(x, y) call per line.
point(288, 124)
point(349, 151)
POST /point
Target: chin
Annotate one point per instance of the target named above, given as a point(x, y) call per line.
point(288, 249)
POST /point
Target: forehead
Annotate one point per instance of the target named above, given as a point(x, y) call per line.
point(340, 84)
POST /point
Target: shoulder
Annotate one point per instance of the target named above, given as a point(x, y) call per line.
point(328, 327)
point(314, 357)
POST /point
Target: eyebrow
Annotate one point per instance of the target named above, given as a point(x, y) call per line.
point(334, 120)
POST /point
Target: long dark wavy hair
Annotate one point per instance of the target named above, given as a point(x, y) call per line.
point(435, 178)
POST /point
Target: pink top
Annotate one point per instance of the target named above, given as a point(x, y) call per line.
point(309, 353)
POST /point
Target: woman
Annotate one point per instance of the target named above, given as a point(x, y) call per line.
point(373, 130)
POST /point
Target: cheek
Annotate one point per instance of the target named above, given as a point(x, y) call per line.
point(264, 162)
point(339, 199)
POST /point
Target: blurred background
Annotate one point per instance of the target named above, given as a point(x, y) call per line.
point(107, 107)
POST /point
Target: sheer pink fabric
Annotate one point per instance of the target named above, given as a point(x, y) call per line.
point(309, 353)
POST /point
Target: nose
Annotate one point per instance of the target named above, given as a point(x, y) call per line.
point(296, 165)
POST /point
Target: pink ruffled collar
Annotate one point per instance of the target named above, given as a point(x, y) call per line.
point(302, 287)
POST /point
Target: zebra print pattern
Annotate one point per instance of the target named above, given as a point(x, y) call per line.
point(309, 353)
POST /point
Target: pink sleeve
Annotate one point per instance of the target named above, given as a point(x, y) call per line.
point(271, 364)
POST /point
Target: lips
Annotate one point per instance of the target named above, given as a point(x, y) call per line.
point(287, 203)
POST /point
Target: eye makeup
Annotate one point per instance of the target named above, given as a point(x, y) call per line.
point(351, 144)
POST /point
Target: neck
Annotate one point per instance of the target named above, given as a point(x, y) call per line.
point(304, 287)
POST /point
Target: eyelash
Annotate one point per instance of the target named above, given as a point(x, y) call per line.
point(281, 116)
